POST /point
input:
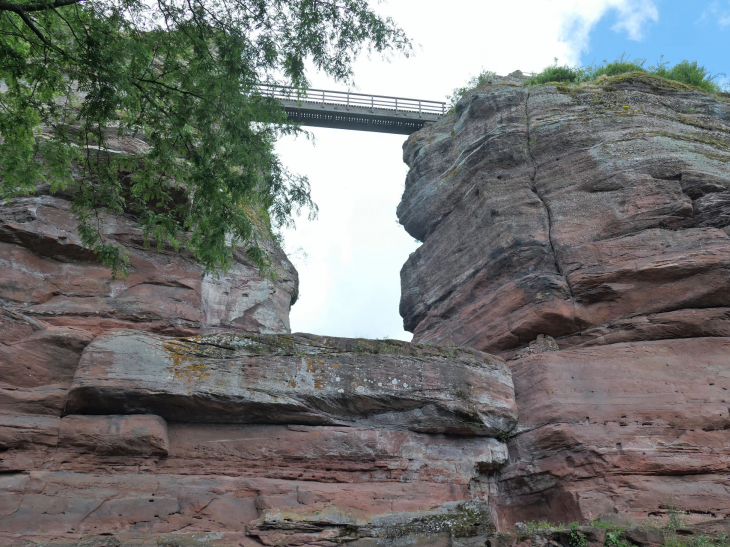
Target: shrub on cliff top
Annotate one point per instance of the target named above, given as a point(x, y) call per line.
point(484, 77)
point(555, 73)
point(621, 65)
point(686, 72)
point(690, 73)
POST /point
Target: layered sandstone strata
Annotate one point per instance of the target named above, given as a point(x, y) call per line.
point(632, 428)
point(598, 215)
point(47, 275)
point(56, 297)
point(116, 431)
point(594, 214)
point(165, 441)
point(295, 380)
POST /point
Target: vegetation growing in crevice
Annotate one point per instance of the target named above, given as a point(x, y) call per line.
point(620, 534)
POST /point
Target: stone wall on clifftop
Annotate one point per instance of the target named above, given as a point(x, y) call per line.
point(599, 215)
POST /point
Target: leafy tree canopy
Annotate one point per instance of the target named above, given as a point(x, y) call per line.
point(182, 76)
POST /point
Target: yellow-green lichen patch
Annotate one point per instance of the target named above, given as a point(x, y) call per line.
point(656, 83)
point(724, 158)
point(186, 365)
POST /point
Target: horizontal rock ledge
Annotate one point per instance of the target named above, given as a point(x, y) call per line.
point(295, 379)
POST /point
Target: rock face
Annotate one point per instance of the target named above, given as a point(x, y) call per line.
point(116, 431)
point(46, 274)
point(583, 234)
point(594, 215)
point(233, 439)
point(580, 233)
point(169, 408)
point(295, 380)
point(628, 428)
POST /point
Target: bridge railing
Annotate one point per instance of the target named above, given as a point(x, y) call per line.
point(346, 98)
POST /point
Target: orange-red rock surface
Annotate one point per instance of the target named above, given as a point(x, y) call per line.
point(592, 214)
point(114, 432)
point(625, 428)
point(579, 233)
point(597, 215)
point(46, 274)
point(398, 451)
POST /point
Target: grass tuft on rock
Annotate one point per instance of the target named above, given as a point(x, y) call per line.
point(689, 73)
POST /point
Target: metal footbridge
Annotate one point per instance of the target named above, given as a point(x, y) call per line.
point(357, 111)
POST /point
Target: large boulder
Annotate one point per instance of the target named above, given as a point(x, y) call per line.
point(297, 380)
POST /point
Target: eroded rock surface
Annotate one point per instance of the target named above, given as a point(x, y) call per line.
point(295, 379)
point(628, 428)
point(46, 274)
point(594, 215)
point(233, 439)
point(115, 431)
point(582, 233)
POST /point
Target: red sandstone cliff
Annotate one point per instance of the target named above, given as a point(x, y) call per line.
point(599, 215)
point(172, 409)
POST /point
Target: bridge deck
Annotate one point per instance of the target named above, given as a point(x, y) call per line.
point(357, 111)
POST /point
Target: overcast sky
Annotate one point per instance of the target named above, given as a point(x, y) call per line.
point(349, 260)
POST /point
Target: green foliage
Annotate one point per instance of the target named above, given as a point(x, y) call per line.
point(621, 65)
point(484, 77)
point(555, 73)
point(535, 526)
point(80, 77)
point(686, 72)
point(690, 73)
point(576, 538)
point(672, 540)
point(614, 539)
point(674, 516)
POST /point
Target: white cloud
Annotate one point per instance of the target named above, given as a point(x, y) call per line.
point(633, 15)
point(718, 13)
point(581, 17)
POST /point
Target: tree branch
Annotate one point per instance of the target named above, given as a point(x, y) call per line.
point(29, 23)
point(40, 6)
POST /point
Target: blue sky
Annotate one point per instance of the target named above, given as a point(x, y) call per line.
point(350, 258)
point(696, 30)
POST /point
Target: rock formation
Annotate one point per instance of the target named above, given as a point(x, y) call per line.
point(580, 234)
point(598, 215)
point(169, 408)
point(164, 440)
point(46, 274)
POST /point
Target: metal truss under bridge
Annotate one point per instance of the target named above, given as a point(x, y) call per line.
point(358, 111)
